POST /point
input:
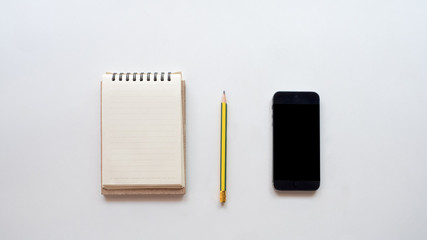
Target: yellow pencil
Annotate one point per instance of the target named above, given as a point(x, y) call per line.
point(223, 156)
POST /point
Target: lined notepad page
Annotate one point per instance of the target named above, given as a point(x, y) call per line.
point(142, 133)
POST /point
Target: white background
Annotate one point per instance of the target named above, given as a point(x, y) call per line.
point(366, 59)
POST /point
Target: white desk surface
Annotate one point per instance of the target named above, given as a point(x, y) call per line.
point(366, 59)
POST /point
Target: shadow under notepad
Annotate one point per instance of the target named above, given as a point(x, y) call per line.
point(144, 198)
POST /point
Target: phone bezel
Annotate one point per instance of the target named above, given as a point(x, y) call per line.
point(295, 98)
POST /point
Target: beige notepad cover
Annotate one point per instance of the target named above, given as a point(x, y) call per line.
point(142, 134)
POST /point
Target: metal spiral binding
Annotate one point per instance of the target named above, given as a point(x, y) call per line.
point(141, 76)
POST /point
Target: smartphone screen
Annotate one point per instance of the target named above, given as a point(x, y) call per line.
point(296, 141)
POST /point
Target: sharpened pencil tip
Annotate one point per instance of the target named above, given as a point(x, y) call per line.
point(223, 91)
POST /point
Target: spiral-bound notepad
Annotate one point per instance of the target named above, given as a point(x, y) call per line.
point(143, 133)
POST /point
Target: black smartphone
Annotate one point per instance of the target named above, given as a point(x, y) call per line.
point(296, 141)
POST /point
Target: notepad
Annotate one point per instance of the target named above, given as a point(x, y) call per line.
point(143, 133)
